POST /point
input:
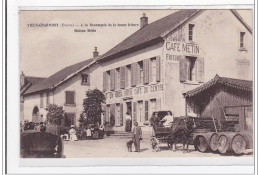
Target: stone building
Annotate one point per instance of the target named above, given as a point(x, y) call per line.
point(152, 68)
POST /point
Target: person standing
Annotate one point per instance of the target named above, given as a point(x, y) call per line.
point(128, 123)
point(137, 136)
point(42, 127)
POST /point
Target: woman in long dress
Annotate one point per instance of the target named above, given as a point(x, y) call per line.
point(128, 124)
point(72, 132)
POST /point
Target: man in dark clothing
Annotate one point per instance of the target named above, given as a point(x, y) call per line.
point(137, 136)
point(42, 127)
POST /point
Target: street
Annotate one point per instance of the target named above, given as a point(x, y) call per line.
point(115, 147)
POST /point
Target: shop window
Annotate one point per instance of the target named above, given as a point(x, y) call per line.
point(140, 112)
point(70, 97)
point(242, 39)
point(191, 32)
point(41, 100)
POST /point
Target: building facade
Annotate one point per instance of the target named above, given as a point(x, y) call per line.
point(152, 69)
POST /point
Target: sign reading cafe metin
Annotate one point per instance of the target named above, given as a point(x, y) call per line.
point(181, 47)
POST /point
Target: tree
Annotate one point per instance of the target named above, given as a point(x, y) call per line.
point(92, 107)
point(55, 114)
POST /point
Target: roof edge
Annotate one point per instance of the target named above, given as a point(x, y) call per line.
point(241, 20)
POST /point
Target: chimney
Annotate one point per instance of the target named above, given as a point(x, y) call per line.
point(143, 21)
point(95, 53)
point(22, 79)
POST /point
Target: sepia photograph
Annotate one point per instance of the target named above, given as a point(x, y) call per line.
point(136, 83)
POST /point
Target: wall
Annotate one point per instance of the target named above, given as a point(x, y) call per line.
point(216, 33)
point(138, 92)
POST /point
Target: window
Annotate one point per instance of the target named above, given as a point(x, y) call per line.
point(140, 64)
point(242, 68)
point(242, 39)
point(128, 81)
point(108, 112)
point(69, 119)
point(191, 68)
point(117, 80)
point(41, 100)
point(70, 97)
point(108, 80)
point(84, 79)
point(117, 114)
point(140, 112)
point(191, 32)
point(153, 64)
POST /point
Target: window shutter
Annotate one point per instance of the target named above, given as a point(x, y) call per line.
point(146, 110)
point(134, 111)
point(146, 71)
point(150, 72)
point(121, 114)
point(88, 80)
point(70, 97)
point(112, 79)
point(200, 69)
point(104, 81)
point(122, 76)
point(106, 114)
point(183, 69)
point(158, 69)
point(126, 77)
point(133, 74)
point(138, 74)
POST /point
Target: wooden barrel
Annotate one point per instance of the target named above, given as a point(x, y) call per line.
point(213, 142)
point(224, 142)
point(202, 142)
point(248, 136)
point(238, 144)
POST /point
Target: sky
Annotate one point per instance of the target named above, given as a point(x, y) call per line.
point(46, 50)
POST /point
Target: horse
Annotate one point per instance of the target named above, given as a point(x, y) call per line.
point(181, 131)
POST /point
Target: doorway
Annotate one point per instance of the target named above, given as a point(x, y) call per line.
point(129, 108)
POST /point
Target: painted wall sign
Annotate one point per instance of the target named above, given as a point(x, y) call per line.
point(135, 91)
point(182, 48)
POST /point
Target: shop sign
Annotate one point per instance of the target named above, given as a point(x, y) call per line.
point(135, 91)
point(174, 47)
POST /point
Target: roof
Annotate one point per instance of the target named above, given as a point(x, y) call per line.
point(29, 81)
point(58, 77)
point(153, 33)
point(239, 84)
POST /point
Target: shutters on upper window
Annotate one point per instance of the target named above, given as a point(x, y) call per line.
point(70, 97)
point(112, 80)
point(158, 69)
point(122, 76)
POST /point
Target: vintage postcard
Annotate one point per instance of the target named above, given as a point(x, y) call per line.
point(136, 83)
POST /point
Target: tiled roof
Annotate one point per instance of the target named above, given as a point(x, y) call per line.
point(151, 33)
point(29, 81)
point(233, 83)
point(58, 77)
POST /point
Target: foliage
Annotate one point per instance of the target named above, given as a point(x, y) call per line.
point(55, 114)
point(92, 107)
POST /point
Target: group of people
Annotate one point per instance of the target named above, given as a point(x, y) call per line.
point(26, 125)
point(85, 133)
point(137, 130)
